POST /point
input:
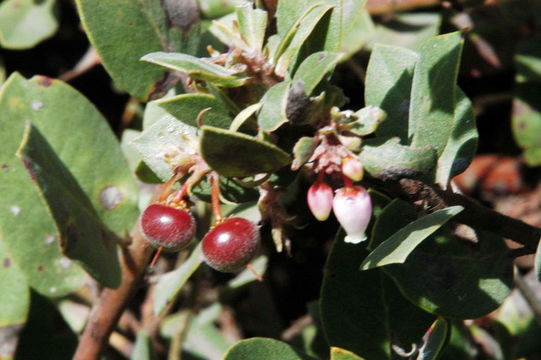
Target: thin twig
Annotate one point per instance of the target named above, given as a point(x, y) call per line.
point(474, 214)
point(111, 304)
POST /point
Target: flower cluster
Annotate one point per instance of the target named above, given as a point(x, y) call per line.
point(351, 204)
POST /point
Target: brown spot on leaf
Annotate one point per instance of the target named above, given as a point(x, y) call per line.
point(322, 57)
point(5, 167)
point(7, 262)
point(44, 81)
point(29, 167)
point(69, 236)
point(40, 268)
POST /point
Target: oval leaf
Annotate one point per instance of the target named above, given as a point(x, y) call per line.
point(186, 108)
point(315, 68)
point(83, 236)
point(433, 91)
point(363, 311)
point(273, 111)
point(342, 354)
point(73, 127)
point(459, 279)
point(164, 140)
point(252, 25)
point(121, 31)
point(392, 160)
point(25, 23)
point(388, 85)
point(234, 154)
point(397, 248)
point(196, 68)
point(438, 335)
point(263, 349)
point(462, 144)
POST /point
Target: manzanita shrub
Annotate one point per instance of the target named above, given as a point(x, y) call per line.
point(245, 144)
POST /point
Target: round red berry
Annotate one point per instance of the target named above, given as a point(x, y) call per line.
point(167, 227)
point(231, 245)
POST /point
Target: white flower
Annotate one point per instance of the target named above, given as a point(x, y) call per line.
point(353, 209)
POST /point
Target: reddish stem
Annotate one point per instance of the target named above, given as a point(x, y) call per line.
point(215, 197)
point(257, 275)
point(347, 182)
point(177, 175)
point(181, 194)
point(156, 256)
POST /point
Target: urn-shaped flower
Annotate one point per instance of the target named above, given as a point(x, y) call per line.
point(319, 198)
point(353, 209)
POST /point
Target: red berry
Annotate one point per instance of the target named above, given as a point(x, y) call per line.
point(167, 227)
point(231, 245)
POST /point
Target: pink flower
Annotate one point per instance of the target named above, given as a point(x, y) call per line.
point(352, 168)
point(320, 200)
point(353, 209)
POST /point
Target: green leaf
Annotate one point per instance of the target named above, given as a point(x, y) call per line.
point(186, 108)
point(459, 279)
point(437, 339)
point(368, 120)
point(288, 13)
point(388, 86)
point(408, 30)
point(196, 68)
point(302, 151)
point(274, 104)
point(392, 160)
point(82, 139)
point(83, 237)
point(342, 354)
point(170, 284)
point(226, 29)
point(234, 154)
point(263, 349)
point(462, 144)
point(128, 150)
point(244, 116)
point(315, 68)
point(356, 25)
point(252, 25)
point(397, 248)
point(229, 190)
point(14, 294)
point(247, 276)
point(292, 42)
point(14, 302)
point(212, 9)
point(363, 311)
point(165, 144)
point(526, 117)
point(433, 91)
point(25, 23)
point(143, 347)
point(121, 31)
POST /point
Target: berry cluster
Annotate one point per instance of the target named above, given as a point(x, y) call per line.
point(228, 246)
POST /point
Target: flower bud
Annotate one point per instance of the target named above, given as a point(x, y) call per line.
point(352, 168)
point(353, 209)
point(320, 200)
